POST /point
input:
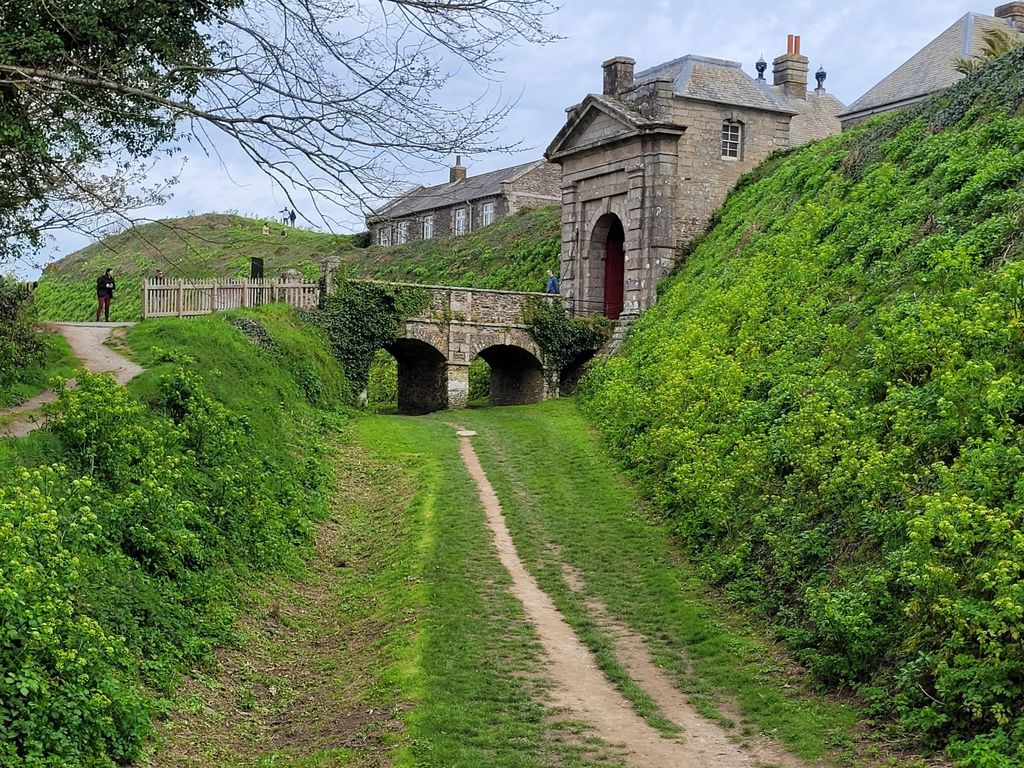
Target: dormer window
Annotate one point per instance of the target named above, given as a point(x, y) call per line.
point(732, 140)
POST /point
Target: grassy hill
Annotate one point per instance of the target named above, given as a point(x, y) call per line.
point(828, 401)
point(512, 254)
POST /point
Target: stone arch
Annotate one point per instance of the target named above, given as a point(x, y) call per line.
point(422, 376)
point(517, 375)
point(569, 377)
point(606, 281)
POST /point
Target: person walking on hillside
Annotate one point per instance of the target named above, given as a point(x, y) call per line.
point(552, 284)
point(291, 217)
point(104, 294)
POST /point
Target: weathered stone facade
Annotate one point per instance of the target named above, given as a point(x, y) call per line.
point(646, 163)
point(466, 201)
point(436, 347)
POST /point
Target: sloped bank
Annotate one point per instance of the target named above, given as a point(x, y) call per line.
point(828, 400)
point(128, 524)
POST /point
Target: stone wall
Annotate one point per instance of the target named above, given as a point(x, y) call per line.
point(460, 324)
point(533, 189)
point(704, 176)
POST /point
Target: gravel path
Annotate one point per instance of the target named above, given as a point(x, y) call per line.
point(88, 342)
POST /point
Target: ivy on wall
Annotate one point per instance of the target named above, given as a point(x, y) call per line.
point(362, 318)
point(563, 339)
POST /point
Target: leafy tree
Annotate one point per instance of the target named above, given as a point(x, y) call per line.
point(326, 96)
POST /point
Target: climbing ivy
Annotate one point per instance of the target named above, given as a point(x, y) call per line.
point(562, 339)
point(361, 318)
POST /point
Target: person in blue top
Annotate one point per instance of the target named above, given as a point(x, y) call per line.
point(552, 284)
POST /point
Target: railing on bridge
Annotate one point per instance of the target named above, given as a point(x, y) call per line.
point(178, 298)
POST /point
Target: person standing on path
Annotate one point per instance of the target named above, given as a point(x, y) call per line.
point(104, 294)
point(552, 284)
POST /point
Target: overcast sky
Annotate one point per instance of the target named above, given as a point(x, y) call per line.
point(857, 43)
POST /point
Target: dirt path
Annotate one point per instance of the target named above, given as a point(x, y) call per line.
point(580, 686)
point(88, 342)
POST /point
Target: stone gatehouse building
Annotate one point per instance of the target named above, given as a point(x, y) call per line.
point(646, 163)
point(465, 204)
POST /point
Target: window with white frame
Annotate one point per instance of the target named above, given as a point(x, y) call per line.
point(488, 214)
point(401, 232)
point(732, 140)
point(428, 227)
point(384, 236)
point(460, 221)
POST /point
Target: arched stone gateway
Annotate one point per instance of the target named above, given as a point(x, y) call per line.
point(422, 376)
point(517, 376)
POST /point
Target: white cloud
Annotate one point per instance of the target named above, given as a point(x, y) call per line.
point(857, 43)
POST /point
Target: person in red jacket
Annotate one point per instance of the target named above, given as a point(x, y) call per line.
point(104, 294)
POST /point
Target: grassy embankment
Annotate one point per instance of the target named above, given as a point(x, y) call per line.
point(128, 525)
point(59, 362)
point(827, 402)
point(512, 254)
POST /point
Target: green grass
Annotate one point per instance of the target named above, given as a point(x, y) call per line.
point(511, 254)
point(558, 486)
point(59, 362)
point(471, 671)
point(230, 363)
point(66, 298)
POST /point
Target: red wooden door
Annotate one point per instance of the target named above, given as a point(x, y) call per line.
point(614, 271)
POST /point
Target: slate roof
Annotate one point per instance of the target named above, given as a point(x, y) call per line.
point(718, 80)
point(725, 82)
point(452, 193)
point(931, 69)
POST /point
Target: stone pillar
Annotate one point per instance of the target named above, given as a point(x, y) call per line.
point(635, 227)
point(568, 259)
point(458, 385)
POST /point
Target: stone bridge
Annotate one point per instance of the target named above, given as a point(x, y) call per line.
point(436, 347)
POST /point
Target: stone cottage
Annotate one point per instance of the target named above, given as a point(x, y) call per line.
point(933, 68)
point(465, 203)
point(646, 162)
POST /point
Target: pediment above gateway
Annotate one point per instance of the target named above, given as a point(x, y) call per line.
point(592, 125)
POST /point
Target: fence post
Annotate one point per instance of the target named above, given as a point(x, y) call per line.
point(180, 298)
point(245, 294)
point(213, 297)
point(145, 299)
point(273, 291)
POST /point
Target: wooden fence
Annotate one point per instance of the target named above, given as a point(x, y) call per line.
point(177, 298)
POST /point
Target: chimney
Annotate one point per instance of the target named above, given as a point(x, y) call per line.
point(1012, 12)
point(457, 172)
point(618, 75)
point(791, 70)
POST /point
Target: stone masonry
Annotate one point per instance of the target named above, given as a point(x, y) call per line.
point(435, 348)
point(655, 154)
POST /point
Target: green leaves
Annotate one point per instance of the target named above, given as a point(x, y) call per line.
point(828, 402)
point(115, 567)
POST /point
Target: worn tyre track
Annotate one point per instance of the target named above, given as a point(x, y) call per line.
point(580, 686)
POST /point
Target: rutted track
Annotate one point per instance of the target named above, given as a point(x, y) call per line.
point(581, 688)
